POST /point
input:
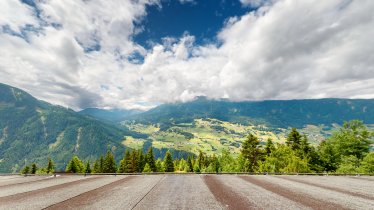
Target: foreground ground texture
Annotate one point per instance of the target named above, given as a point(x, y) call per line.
point(186, 192)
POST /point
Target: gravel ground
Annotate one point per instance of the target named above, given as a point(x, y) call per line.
point(179, 192)
point(324, 198)
point(42, 198)
point(187, 192)
point(258, 196)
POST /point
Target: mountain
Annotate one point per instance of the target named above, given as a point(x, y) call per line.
point(275, 113)
point(33, 130)
point(111, 115)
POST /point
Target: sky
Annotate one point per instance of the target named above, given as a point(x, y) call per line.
point(136, 54)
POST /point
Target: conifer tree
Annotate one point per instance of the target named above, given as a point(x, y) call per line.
point(101, 164)
point(147, 168)
point(150, 159)
point(123, 162)
point(133, 166)
point(141, 161)
point(250, 153)
point(200, 161)
point(50, 167)
point(96, 166)
point(190, 163)
point(88, 168)
point(159, 165)
point(109, 163)
point(293, 140)
point(168, 161)
point(34, 168)
point(75, 165)
point(269, 146)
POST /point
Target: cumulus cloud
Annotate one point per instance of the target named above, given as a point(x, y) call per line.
point(80, 56)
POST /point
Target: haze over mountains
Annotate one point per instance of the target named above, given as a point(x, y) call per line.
point(32, 130)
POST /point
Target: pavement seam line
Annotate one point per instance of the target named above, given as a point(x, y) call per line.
point(162, 178)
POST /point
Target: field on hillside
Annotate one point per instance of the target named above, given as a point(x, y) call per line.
point(187, 191)
point(212, 135)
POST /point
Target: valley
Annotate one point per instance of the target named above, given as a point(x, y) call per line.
point(212, 136)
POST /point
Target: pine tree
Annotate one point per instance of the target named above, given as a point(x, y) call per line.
point(109, 163)
point(96, 166)
point(190, 163)
point(133, 166)
point(75, 165)
point(141, 161)
point(200, 161)
point(168, 161)
point(305, 147)
point(159, 165)
point(147, 168)
point(150, 159)
point(250, 153)
point(88, 168)
point(50, 167)
point(34, 168)
point(101, 164)
point(293, 140)
point(123, 162)
point(269, 146)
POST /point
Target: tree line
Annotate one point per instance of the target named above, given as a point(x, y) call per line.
point(346, 151)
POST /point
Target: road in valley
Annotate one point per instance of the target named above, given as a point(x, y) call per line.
point(186, 191)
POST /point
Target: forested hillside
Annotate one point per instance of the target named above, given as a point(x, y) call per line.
point(32, 130)
point(275, 114)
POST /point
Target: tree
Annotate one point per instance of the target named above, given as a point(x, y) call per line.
point(250, 153)
point(25, 170)
point(109, 163)
point(200, 161)
point(367, 164)
point(123, 163)
point(34, 168)
point(88, 168)
point(147, 168)
point(141, 161)
point(75, 165)
point(150, 159)
point(214, 165)
point(159, 165)
point(168, 161)
point(227, 162)
point(269, 146)
point(293, 140)
point(50, 167)
point(190, 160)
point(352, 139)
point(349, 165)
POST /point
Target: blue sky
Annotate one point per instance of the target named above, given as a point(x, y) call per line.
point(202, 19)
point(138, 54)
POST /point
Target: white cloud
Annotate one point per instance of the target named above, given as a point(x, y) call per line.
point(284, 50)
point(16, 15)
point(187, 1)
point(254, 3)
